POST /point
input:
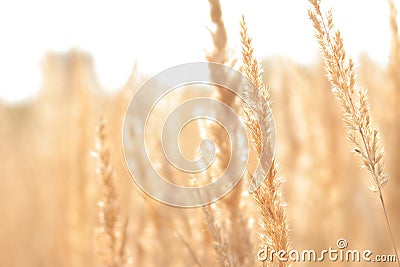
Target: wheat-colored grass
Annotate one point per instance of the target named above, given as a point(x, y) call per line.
point(274, 231)
point(356, 109)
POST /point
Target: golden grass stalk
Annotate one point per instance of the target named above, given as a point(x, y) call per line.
point(257, 115)
point(357, 115)
point(353, 99)
point(274, 231)
point(111, 231)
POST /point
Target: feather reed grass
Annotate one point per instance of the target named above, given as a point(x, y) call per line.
point(111, 231)
point(274, 231)
point(340, 72)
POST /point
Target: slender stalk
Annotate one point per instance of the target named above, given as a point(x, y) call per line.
point(381, 200)
point(389, 227)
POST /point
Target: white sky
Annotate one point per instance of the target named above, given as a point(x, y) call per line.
point(159, 34)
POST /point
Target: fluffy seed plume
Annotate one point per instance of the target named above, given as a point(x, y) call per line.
point(258, 114)
point(356, 110)
point(353, 99)
point(274, 231)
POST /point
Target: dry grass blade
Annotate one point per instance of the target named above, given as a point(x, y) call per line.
point(111, 232)
point(274, 231)
point(353, 99)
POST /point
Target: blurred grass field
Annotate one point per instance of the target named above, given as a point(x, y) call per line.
point(49, 187)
